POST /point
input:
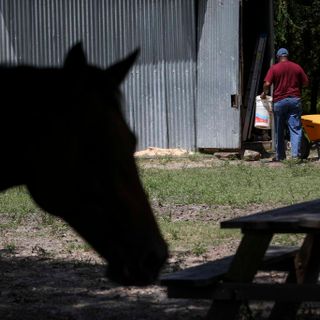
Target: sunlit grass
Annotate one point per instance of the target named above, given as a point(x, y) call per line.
point(194, 236)
point(236, 185)
point(17, 201)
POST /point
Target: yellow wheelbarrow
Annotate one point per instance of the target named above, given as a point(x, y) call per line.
point(311, 134)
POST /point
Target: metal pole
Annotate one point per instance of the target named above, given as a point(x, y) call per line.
point(271, 46)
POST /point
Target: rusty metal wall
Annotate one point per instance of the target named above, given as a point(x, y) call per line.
point(219, 92)
point(159, 91)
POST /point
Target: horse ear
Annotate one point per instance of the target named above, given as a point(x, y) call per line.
point(118, 71)
point(76, 57)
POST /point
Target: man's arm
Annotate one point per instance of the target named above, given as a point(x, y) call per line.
point(266, 88)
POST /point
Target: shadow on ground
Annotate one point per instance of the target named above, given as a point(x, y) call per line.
point(46, 289)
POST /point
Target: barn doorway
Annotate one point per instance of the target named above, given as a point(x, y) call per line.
point(256, 55)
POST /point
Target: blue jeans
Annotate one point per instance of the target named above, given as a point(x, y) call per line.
point(287, 112)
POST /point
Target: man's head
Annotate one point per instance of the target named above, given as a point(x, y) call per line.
point(282, 53)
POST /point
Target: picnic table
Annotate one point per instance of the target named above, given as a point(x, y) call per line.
point(229, 282)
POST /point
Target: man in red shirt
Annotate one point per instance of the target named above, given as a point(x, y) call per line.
point(288, 78)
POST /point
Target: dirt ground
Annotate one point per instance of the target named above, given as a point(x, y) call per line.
point(44, 277)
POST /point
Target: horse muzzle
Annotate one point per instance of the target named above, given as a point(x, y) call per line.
point(142, 273)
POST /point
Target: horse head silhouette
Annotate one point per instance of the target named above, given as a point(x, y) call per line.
point(65, 138)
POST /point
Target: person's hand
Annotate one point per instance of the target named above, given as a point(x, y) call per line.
point(263, 95)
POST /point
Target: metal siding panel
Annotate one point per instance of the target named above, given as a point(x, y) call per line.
point(7, 52)
point(145, 109)
point(180, 40)
point(17, 18)
point(163, 116)
point(160, 89)
point(218, 125)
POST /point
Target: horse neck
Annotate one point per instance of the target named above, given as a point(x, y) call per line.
point(16, 122)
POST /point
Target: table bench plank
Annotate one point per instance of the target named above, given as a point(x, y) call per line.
point(267, 292)
point(300, 217)
point(229, 281)
point(245, 265)
point(307, 267)
point(198, 281)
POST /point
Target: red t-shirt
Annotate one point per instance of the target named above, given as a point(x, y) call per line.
point(287, 78)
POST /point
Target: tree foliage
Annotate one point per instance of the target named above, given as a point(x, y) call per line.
point(297, 28)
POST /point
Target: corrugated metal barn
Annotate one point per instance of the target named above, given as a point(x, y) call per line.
point(187, 89)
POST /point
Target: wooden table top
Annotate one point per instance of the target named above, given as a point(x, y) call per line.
point(299, 218)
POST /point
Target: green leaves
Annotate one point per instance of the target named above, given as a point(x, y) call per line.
point(297, 27)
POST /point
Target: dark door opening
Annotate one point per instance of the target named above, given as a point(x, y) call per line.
point(256, 22)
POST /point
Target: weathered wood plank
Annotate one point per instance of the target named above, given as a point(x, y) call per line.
point(306, 272)
point(204, 275)
point(266, 292)
point(249, 257)
point(190, 292)
point(244, 266)
point(302, 217)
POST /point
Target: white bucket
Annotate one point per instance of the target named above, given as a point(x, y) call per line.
point(263, 113)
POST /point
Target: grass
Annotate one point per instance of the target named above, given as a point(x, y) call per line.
point(194, 236)
point(17, 208)
point(17, 201)
point(10, 248)
point(235, 185)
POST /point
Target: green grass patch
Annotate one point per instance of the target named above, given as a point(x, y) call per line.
point(17, 201)
point(194, 236)
point(237, 185)
point(287, 239)
point(17, 207)
point(76, 246)
point(10, 248)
